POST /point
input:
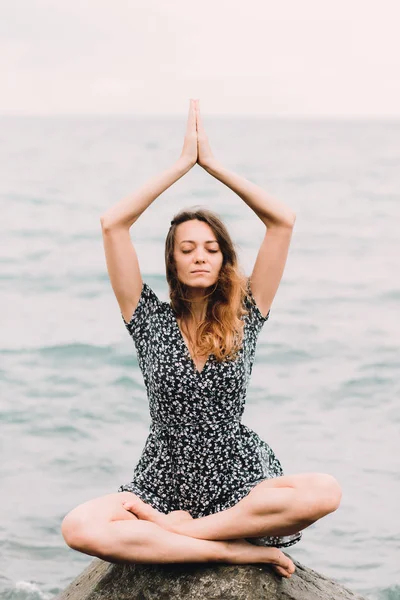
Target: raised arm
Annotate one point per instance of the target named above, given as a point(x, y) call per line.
point(278, 219)
point(121, 258)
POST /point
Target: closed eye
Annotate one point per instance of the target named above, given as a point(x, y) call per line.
point(187, 251)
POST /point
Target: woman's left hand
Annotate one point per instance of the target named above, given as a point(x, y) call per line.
point(204, 153)
point(189, 151)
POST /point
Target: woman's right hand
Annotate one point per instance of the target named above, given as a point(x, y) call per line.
point(189, 151)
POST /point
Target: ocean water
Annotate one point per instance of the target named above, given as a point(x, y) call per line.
point(325, 386)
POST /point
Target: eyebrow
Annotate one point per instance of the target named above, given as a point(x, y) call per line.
point(193, 242)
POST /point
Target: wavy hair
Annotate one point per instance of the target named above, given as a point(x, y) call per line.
point(221, 332)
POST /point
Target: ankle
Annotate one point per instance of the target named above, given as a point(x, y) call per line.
point(224, 551)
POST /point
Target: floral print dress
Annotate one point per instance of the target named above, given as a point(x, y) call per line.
point(198, 455)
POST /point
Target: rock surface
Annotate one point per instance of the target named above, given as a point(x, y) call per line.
point(105, 581)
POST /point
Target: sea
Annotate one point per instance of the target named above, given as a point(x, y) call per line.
point(325, 387)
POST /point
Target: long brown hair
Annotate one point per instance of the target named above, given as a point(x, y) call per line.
point(221, 332)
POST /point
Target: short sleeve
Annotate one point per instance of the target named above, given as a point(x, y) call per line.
point(255, 316)
point(144, 316)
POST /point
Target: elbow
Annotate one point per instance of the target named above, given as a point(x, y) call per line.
point(104, 222)
point(108, 224)
point(287, 222)
point(292, 219)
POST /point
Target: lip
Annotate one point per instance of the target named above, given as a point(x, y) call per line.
point(200, 271)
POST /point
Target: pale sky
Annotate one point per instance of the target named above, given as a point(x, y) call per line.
point(310, 58)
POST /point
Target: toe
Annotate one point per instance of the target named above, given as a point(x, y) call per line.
point(140, 508)
point(180, 514)
point(282, 571)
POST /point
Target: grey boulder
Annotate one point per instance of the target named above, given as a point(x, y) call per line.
point(106, 581)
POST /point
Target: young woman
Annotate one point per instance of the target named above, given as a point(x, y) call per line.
point(206, 487)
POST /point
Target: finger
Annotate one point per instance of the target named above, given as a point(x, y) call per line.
point(195, 112)
point(190, 112)
point(199, 119)
point(191, 123)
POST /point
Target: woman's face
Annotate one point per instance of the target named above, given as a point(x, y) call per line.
point(196, 248)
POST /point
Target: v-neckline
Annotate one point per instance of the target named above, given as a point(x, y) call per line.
point(186, 349)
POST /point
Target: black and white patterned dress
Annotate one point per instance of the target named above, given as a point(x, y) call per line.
point(198, 455)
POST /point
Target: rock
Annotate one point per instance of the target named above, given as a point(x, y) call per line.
point(105, 581)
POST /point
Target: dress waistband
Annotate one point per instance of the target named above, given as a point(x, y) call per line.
point(195, 424)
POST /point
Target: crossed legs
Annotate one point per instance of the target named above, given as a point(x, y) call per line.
point(138, 533)
point(275, 507)
point(103, 528)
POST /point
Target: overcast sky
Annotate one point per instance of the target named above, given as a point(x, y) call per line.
point(240, 57)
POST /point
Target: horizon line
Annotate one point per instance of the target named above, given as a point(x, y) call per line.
point(305, 117)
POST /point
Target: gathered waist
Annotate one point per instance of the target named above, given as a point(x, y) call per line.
point(209, 424)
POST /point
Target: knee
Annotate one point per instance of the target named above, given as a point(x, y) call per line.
point(320, 497)
point(328, 492)
point(76, 533)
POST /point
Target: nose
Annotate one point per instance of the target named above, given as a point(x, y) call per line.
point(200, 255)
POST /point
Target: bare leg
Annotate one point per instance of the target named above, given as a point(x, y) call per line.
point(279, 506)
point(103, 528)
point(146, 542)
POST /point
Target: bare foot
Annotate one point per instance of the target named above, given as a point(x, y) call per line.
point(237, 551)
point(141, 509)
point(177, 516)
point(242, 552)
point(146, 512)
